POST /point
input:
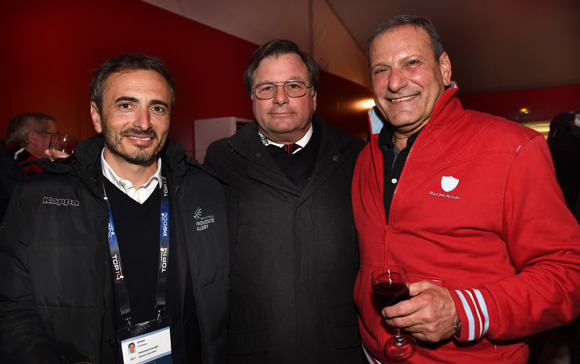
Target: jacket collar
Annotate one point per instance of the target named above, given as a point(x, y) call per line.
point(247, 142)
point(86, 159)
point(335, 146)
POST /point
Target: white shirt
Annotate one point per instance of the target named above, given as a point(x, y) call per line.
point(302, 142)
point(140, 194)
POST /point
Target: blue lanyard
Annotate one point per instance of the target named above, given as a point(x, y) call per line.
point(119, 278)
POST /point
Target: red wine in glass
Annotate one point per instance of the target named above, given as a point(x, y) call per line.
point(390, 294)
point(391, 286)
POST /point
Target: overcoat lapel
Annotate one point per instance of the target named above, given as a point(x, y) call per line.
point(262, 167)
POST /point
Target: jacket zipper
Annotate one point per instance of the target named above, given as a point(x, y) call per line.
point(387, 229)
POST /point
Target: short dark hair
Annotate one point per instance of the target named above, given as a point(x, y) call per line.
point(275, 48)
point(414, 20)
point(20, 125)
point(127, 63)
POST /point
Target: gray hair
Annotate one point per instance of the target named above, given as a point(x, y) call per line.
point(416, 21)
point(20, 125)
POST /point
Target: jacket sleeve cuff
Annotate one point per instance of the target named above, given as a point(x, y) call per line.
point(473, 313)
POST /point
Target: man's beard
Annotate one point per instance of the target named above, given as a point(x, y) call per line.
point(141, 156)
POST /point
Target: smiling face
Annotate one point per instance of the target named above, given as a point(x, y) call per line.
point(134, 119)
point(283, 119)
point(407, 79)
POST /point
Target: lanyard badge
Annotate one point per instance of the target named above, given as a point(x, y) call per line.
point(147, 341)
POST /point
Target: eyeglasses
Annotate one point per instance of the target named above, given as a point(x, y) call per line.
point(292, 88)
point(48, 132)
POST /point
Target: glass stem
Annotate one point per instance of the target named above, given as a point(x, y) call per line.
point(399, 339)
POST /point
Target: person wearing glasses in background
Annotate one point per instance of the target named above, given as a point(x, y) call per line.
point(27, 137)
point(293, 247)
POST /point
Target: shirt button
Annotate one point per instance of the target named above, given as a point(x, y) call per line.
point(394, 181)
point(123, 184)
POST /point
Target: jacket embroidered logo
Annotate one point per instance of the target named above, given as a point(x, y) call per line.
point(448, 183)
point(197, 214)
point(202, 222)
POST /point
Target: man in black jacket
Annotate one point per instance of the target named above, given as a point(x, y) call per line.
point(123, 242)
point(27, 137)
point(293, 247)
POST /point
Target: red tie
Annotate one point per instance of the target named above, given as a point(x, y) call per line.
point(291, 148)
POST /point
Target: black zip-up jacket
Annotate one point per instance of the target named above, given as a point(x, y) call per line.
point(56, 291)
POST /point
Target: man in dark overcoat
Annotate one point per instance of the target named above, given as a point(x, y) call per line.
point(294, 256)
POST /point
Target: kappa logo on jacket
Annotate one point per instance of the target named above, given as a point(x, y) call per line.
point(60, 201)
point(202, 223)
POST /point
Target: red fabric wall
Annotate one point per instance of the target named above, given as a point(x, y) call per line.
point(543, 103)
point(50, 50)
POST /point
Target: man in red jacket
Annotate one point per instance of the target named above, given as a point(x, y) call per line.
point(468, 203)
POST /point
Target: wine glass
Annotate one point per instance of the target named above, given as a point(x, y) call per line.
point(391, 286)
point(61, 146)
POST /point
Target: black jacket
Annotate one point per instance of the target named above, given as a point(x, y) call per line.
point(56, 293)
point(294, 253)
point(11, 174)
point(565, 150)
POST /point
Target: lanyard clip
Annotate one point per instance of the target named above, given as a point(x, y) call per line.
point(128, 319)
point(159, 313)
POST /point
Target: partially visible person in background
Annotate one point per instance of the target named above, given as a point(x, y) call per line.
point(564, 143)
point(561, 121)
point(27, 137)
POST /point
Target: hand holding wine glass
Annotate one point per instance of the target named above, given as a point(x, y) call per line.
point(61, 146)
point(391, 286)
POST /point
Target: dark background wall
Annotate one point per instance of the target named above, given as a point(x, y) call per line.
point(543, 103)
point(50, 50)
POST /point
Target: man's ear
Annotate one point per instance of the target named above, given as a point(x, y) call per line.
point(96, 117)
point(33, 138)
point(314, 100)
point(445, 68)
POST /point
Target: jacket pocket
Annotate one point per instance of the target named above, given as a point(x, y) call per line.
point(249, 342)
point(346, 337)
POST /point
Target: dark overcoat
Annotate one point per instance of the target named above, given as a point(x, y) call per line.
point(294, 254)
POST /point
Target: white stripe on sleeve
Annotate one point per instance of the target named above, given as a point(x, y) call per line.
point(471, 321)
point(483, 310)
